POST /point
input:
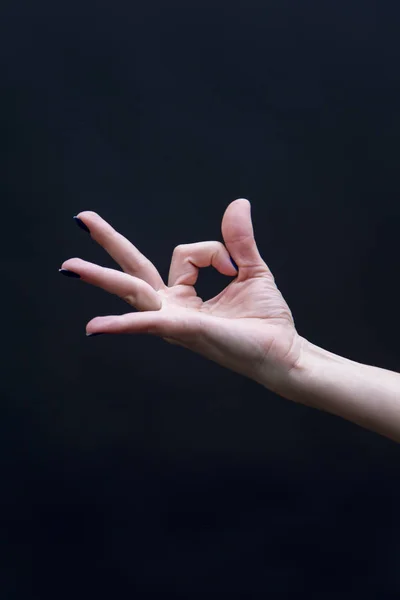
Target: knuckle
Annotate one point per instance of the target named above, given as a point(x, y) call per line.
point(220, 246)
point(129, 298)
point(180, 249)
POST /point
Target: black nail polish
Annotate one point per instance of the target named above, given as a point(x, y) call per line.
point(81, 224)
point(93, 334)
point(234, 264)
point(69, 273)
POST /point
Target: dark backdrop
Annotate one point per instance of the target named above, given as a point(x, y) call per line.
point(132, 468)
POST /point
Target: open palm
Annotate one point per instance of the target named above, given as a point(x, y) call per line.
point(247, 328)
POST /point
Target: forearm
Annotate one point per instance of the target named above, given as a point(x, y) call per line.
point(364, 394)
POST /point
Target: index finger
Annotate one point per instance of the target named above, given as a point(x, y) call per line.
point(129, 258)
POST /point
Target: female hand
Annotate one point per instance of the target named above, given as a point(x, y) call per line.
point(247, 328)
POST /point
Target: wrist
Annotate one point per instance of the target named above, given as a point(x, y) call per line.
point(282, 373)
point(364, 394)
point(314, 369)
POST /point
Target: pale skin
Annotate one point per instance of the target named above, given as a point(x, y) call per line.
point(247, 328)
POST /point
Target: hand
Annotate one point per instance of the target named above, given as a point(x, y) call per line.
point(247, 328)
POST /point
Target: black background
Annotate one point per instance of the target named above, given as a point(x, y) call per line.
point(132, 468)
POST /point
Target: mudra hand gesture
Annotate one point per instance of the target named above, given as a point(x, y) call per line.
point(247, 327)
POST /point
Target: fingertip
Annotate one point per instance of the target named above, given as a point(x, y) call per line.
point(234, 264)
point(86, 213)
point(81, 224)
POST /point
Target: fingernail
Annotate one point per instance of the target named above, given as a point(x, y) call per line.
point(92, 334)
point(234, 264)
point(81, 224)
point(69, 273)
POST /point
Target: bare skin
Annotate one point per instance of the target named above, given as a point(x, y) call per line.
point(248, 327)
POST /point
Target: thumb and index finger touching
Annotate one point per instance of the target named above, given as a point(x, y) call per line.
point(238, 235)
point(237, 231)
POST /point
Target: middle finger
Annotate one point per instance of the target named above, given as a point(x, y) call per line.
point(129, 258)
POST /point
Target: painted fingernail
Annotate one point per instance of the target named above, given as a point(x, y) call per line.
point(234, 264)
point(81, 224)
point(93, 334)
point(69, 273)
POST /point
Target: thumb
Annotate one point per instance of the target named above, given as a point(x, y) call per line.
point(238, 235)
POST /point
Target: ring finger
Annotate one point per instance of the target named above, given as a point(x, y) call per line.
point(133, 290)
